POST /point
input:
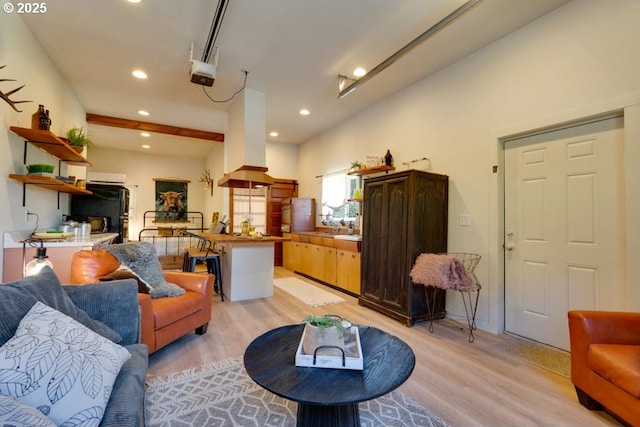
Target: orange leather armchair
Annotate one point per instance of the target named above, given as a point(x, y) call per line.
point(605, 361)
point(163, 320)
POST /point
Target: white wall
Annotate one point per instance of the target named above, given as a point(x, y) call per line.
point(141, 169)
point(579, 60)
point(282, 160)
point(27, 64)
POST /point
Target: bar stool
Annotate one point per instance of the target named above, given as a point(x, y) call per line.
point(203, 251)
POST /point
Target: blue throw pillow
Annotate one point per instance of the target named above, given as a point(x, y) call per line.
point(17, 298)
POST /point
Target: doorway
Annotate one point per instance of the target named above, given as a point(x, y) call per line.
point(564, 227)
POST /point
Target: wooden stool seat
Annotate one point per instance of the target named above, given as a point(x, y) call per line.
point(203, 251)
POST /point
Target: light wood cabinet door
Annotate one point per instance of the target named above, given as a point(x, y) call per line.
point(348, 270)
point(342, 273)
point(292, 255)
point(287, 253)
point(353, 266)
point(317, 261)
point(306, 259)
point(330, 265)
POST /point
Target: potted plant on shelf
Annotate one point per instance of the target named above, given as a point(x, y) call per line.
point(40, 169)
point(328, 331)
point(77, 138)
point(355, 165)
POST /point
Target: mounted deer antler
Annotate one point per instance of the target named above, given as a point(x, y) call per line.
point(5, 96)
point(206, 178)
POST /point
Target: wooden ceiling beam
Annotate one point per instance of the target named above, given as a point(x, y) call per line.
point(153, 127)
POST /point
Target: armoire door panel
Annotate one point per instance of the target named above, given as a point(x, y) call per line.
point(373, 244)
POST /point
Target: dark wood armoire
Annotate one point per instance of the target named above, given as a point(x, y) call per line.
point(404, 215)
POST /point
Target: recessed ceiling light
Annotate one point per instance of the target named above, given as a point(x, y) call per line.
point(305, 112)
point(274, 134)
point(359, 72)
point(145, 134)
point(134, 1)
point(145, 146)
point(139, 74)
point(143, 113)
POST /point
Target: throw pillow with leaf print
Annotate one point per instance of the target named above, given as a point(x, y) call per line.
point(60, 367)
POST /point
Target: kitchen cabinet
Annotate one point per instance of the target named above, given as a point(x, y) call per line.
point(292, 253)
point(334, 262)
point(53, 145)
point(330, 266)
point(404, 215)
point(317, 261)
point(306, 258)
point(348, 270)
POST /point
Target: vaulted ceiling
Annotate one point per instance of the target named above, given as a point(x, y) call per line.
point(293, 50)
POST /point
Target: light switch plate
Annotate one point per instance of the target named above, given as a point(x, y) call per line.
point(465, 220)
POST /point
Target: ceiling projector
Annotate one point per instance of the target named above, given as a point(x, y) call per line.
point(203, 73)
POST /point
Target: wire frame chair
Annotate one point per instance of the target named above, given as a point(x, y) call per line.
point(470, 262)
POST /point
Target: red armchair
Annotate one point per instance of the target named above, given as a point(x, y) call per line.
point(605, 361)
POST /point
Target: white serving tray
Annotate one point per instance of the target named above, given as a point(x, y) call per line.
point(352, 360)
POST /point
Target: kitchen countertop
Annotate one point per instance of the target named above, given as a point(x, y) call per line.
point(349, 242)
point(14, 239)
point(230, 238)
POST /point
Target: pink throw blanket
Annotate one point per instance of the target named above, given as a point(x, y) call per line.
point(442, 271)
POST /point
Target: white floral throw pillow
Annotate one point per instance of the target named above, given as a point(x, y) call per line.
point(60, 367)
point(16, 414)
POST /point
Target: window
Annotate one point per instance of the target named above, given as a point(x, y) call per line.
point(252, 205)
point(337, 190)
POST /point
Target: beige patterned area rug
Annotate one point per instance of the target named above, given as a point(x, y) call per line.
point(222, 394)
point(307, 293)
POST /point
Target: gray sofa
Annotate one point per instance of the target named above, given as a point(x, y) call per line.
point(109, 308)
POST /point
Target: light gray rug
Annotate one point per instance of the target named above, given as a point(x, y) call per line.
point(222, 394)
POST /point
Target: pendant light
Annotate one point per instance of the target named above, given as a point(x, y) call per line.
point(38, 262)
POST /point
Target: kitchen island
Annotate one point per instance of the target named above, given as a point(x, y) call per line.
point(60, 252)
point(247, 264)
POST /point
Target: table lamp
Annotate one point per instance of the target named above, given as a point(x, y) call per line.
point(38, 262)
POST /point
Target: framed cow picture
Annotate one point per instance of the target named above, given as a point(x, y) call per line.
point(171, 199)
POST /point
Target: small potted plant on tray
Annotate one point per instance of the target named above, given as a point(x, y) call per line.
point(327, 330)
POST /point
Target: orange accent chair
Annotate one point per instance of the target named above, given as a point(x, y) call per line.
point(605, 362)
point(163, 320)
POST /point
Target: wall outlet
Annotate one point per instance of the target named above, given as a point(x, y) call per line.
point(465, 220)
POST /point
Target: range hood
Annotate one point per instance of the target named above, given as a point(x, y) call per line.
point(246, 177)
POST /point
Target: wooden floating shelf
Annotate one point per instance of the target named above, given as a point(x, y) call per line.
point(369, 171)
point(53, 145)
point(50, 184)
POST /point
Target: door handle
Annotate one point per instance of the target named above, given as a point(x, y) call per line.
point(509, 246)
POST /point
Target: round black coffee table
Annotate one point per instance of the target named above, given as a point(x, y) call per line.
point(328, 397)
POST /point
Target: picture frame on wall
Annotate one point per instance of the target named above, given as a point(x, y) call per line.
point(171, 199)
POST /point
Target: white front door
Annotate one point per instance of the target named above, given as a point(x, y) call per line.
point(564, 228)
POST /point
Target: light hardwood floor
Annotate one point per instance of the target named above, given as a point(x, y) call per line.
point(466, 384)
